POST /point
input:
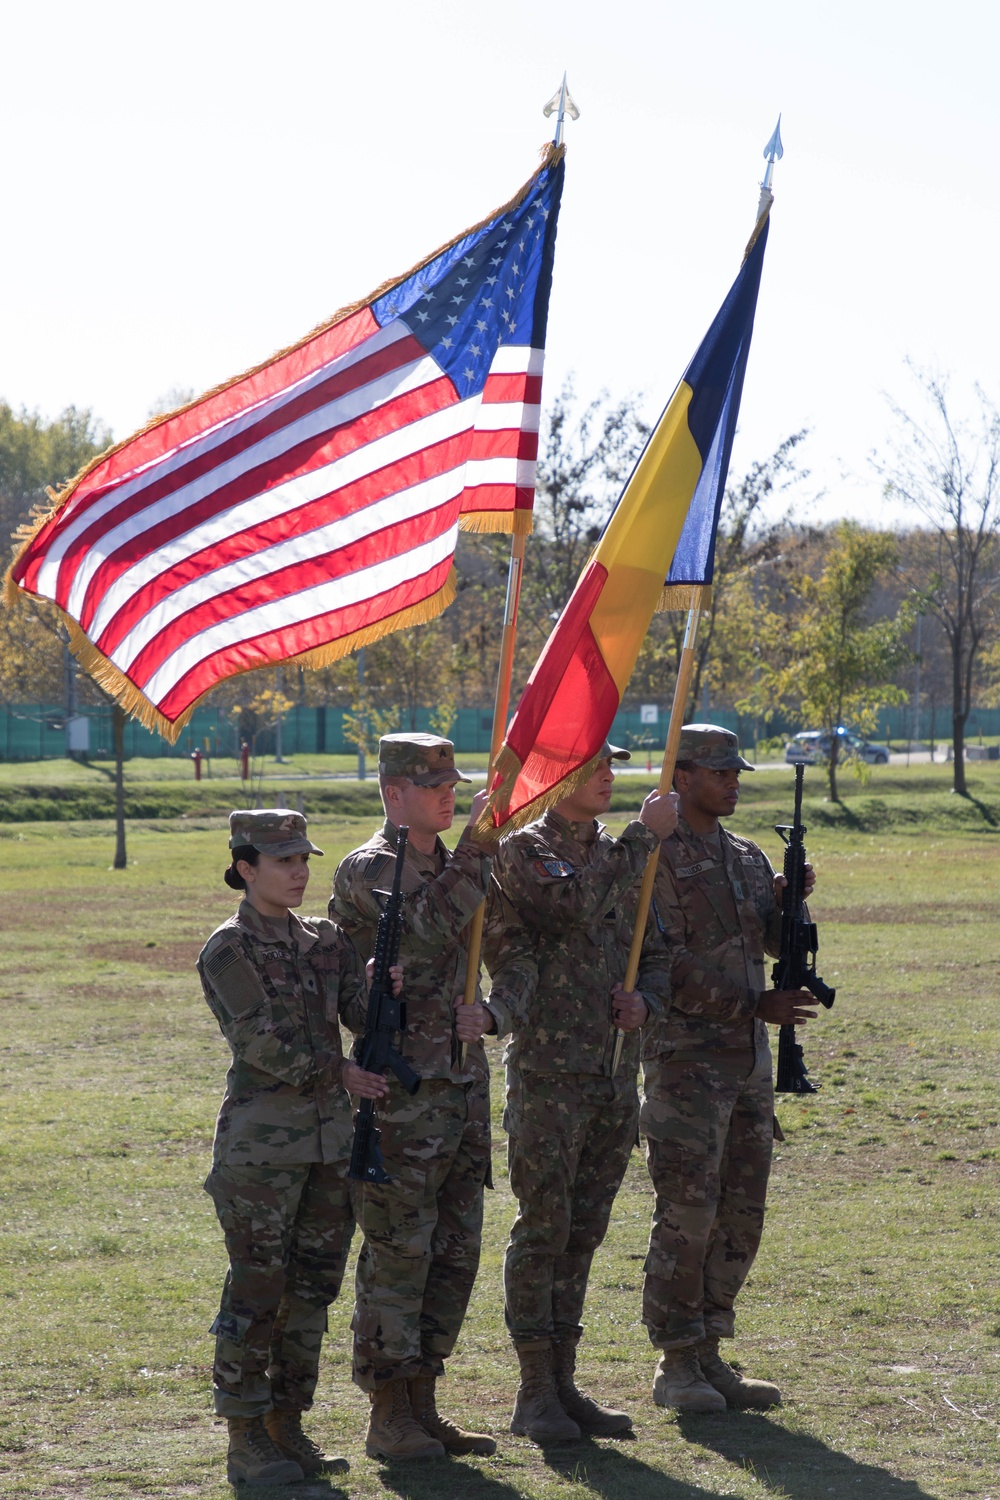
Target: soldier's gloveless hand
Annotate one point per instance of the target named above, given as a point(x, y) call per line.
point(396, 972)
point(659, 813)
point(810, 882)
point(365, 1085)
point(471, 1021)
point(479, 802)
point(785, 1007)
point(628, 1008)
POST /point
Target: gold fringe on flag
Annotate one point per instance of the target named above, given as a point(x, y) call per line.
point(135, 703)
point(678, 596)
point(550, 156)
point(508, 768)
point(509, 522)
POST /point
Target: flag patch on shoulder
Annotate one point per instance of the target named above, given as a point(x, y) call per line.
point(221, 960)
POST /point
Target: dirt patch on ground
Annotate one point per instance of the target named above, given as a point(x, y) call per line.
point(918, 914)
point(179, 957)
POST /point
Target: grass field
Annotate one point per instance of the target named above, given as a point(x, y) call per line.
point(875, 1301)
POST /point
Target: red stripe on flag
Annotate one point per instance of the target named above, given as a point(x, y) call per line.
point(286, 582)
point(558, 731)
point(260, 480)
point(526, 388)
point(264, 650)
point(417, 467)
point(286, 463)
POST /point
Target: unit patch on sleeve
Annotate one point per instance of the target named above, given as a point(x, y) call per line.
point(559, 869)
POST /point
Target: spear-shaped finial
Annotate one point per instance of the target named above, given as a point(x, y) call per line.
point(561, 101)
point(773, 152)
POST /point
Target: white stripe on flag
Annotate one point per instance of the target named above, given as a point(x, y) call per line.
point(244, 571)
point(339, 593)
point(258, 509)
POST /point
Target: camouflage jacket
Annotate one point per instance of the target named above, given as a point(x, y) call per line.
point(719, 916)
point(559, 927)
point(441, 892)
point(278, 990)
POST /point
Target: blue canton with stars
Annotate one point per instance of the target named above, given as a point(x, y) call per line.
point(490, 288)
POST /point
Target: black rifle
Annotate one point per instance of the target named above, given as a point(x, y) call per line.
point(375, 1050)
point(796, 966)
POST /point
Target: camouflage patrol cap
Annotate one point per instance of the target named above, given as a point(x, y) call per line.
point(271, 830)
point(711, 746)
point(614, 752)
point(425, 759)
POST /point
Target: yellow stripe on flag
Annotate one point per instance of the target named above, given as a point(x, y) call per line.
point(638, 545)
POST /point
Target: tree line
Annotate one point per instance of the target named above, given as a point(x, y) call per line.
point(823, 621)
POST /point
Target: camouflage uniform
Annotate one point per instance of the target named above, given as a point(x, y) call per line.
point(708, 1111)
point(278, 989)
point(423, 1230)
point(559, 927)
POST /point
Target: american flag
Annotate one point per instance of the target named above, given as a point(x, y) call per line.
point(314, 504)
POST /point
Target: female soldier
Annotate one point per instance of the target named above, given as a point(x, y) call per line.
point(278, 988)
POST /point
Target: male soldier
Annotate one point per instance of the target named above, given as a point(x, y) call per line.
point(422, 1229)
point(708, 1114)
point(562, 910)
point(278, 987)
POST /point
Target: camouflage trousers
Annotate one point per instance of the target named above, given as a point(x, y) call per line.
point(423, 1230)
point(570, 1139)
point(708, 1121)
point(288, 1232)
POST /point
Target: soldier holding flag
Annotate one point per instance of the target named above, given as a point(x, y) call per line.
point(561, 911)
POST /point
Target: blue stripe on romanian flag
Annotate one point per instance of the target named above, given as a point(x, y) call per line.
point(661, 531)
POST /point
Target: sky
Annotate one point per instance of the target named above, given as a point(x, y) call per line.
point(189, 187)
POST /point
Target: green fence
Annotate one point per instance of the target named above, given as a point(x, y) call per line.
point(38, 731)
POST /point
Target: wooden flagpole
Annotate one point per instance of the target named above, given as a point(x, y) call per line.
point(501, 704)
point(561, 105)
point(685, 671)
point(773, 152)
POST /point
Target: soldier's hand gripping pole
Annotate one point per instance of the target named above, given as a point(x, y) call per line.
point(796, 965)
point(376, 1051)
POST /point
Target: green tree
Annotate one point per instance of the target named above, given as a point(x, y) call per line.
point(837, 664)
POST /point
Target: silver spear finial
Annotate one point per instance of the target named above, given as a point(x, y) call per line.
point(561, 101)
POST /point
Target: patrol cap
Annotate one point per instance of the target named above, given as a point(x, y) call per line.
point(271, 830)
point(711, 746)
point(614, 752)
point(424, 759)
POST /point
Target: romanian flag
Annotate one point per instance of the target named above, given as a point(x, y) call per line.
point(661, 535)
point(313, 504)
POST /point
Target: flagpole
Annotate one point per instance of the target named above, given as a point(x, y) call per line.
point(773, 152)
point(560, 104)
point(685, 671)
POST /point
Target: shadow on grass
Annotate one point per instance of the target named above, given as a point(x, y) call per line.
point(985, 811)
point(616, 1475)
point(793, 1464)
point(443, 1479)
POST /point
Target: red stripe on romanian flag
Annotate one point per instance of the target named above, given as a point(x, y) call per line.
point(578, 682)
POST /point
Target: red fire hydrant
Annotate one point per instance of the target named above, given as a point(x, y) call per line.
point(196, 757)
point(244, 760)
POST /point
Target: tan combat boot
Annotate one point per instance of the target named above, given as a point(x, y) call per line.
point(738, 1391)
point(454, 1439)
point(602, 1421)
point(680, 1383)
point(284, 1428)
point(393, 1430)
point(253, 1458)
point(538, 1413)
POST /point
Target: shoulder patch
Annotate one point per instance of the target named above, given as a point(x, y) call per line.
point(375, 867)
point(559, 869)
point(218, 962)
